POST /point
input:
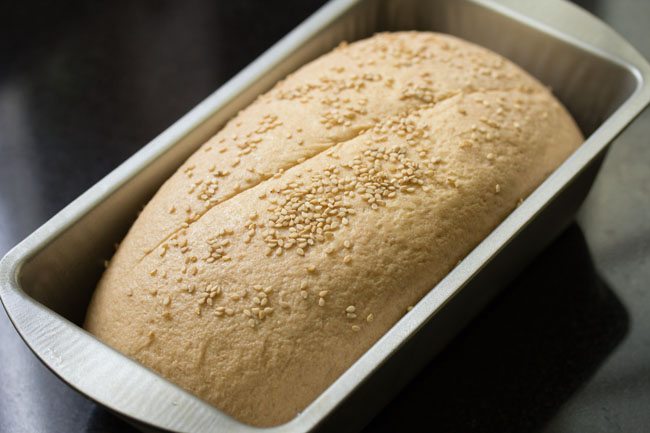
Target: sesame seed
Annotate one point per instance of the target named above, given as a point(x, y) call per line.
point(321, 302)
point(347, 259)
point(370, 318)
point(350, 309)
point(356, 328)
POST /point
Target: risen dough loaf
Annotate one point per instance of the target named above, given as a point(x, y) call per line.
point(300, 233)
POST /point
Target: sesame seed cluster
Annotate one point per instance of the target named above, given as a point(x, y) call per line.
point(306, 213)
point(318, 216)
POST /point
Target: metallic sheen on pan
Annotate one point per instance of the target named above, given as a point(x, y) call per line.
point(47, 280)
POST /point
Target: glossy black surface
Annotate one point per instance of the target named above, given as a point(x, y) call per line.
point(83, 85)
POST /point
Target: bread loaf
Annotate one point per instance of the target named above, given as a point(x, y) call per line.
point(300, 233)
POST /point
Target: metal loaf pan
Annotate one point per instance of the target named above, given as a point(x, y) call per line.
point(47, 280)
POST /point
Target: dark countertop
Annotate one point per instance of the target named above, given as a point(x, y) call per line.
point(83, 85)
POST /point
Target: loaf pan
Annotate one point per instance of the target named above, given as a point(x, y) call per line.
point(47, 280)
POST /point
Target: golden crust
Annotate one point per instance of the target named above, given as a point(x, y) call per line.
point(259, 273)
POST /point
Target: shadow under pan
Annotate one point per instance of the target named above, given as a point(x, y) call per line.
point(496, 376)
